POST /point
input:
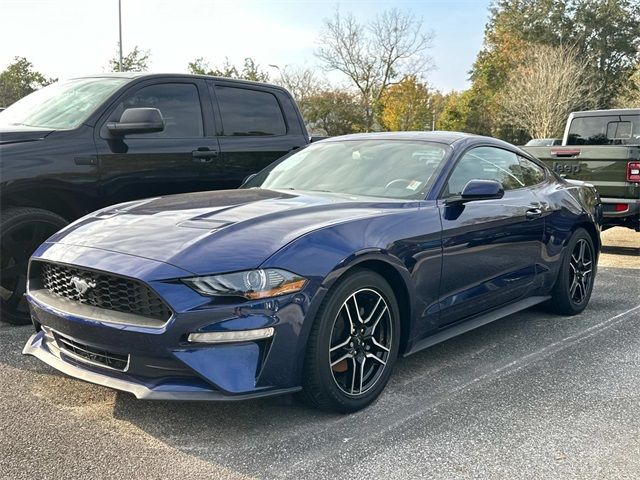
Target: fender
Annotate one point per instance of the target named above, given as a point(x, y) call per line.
point(363, 257)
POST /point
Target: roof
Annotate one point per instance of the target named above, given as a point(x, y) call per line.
point(135, 75)
point(432, 136)
point(617, 111)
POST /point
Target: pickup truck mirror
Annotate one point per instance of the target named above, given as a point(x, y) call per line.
point(478, 190)
point(137, 120)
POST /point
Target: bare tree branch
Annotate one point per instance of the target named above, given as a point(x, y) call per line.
point(540, 94)
point(373, 56)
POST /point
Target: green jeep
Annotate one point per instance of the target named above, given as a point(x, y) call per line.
point(602, 147)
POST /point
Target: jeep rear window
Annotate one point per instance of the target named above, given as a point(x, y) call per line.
point(605, 130)
point(62, 105)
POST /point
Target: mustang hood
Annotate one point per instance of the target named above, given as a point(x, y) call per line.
point(21, 133)
point(230, 230)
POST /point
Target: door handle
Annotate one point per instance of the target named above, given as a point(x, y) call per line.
point(204, 155)
point(533, 213)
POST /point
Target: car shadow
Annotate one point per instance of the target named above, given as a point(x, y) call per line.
point(247, 436)
point(276, 437)
point(616, 250)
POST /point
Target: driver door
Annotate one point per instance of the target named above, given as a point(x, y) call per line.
point(490, 247)
point(172, 161)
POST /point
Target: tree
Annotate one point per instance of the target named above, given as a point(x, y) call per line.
point(455, 113)
point(135, 61)
point(333, 112)
point(250, 70)
point(608, 36)
point(306, 88)
point(20, 79)
point(540, 94)
point(604, 32)
point(376, 54)
point(629, 96)
point(302, 83)
point(406, 106)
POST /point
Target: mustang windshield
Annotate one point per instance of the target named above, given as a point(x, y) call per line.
point(62, 105)
point(381, 168)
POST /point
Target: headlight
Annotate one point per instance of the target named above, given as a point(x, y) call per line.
point(252, 284)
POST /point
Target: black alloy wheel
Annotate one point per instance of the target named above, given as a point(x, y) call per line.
point(23, 229)
point(580, 271)
point(353, 344)
point(360, 342)
point(573, 287)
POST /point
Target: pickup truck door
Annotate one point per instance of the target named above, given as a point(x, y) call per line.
point(256, 126)
point(175, 160)
point(490, 247)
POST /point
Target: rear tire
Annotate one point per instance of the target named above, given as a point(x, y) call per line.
point(353, 344)
point(574, 285)
point(22, 231)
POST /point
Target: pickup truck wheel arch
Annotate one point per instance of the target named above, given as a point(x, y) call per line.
point(22, 230)
point(69, 206)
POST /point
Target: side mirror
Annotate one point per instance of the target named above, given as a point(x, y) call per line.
point(479, 190)
point(137, 120)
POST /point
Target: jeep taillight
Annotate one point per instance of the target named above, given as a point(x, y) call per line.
point(633, 172)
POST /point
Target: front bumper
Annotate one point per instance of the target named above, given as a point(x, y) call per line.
point(162, 390)
point(161, 362)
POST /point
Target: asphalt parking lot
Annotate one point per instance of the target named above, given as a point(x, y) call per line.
point(531, 396)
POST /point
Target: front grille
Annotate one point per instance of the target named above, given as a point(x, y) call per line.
point(92, 355)
point(103, 290)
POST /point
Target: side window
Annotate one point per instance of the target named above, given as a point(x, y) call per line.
point(532, 174)
point(486, 163)
point(589, 130)
point(634, 126)
point(249, 112)
point(179, 104)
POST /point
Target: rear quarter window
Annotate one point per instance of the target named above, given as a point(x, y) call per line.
point(247, 112)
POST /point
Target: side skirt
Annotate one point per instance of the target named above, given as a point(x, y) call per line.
point(478, 321)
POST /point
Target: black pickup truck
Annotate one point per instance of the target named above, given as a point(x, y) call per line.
point(85, 143)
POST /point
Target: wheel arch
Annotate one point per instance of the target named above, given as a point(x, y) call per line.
point(396, 275)
point(68, 205)
point(593, 233)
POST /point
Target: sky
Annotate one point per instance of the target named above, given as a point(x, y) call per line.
point(66, 38)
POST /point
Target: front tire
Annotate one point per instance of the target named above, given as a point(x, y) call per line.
point(574, 285)
point(22, 230)
point(353, 344)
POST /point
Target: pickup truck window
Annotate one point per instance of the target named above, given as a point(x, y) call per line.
point(249, 112)
point(179, 104)
point(605, 130)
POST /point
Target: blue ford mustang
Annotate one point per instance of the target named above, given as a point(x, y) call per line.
point(317, 274)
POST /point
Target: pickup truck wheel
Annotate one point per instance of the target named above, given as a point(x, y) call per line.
point(22, 230)
point(572, 290)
